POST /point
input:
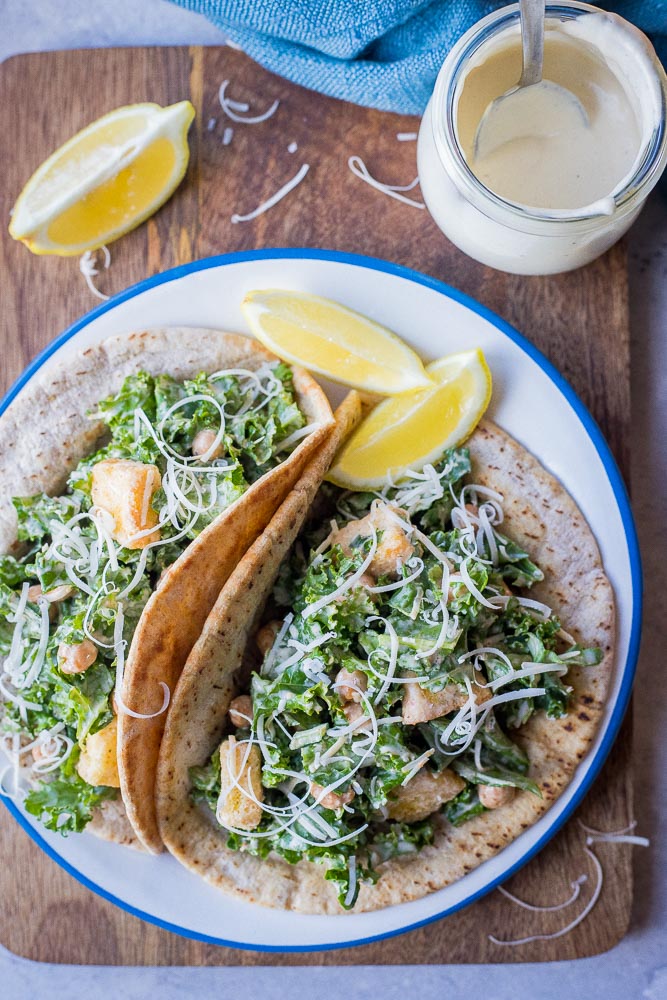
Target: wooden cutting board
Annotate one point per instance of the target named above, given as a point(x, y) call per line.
point(579, 320)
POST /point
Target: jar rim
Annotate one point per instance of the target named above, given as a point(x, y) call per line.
point(649, 163)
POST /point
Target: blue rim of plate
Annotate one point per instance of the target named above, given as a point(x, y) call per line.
point(610, 467)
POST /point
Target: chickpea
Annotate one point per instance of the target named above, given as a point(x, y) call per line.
point(332, 800)
point(495, 796)
point(203, 441)
point(347, 681)
point(240, 711)
point(266, 636)
point(52, 596)
point(365, 580)
point(41, 751)
point(354, 711)
point(75, 658)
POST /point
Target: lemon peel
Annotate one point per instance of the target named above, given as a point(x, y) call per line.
point(331, 340)
point(408, 431)
point(105, 181)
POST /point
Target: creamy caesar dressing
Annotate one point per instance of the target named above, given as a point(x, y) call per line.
point(540, 150)
point(555, 199)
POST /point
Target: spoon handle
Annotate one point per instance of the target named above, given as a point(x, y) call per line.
point(532, 40)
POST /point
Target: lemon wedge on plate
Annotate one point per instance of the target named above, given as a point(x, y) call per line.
point(105, 181)
point(328, 338)
point(408, 431)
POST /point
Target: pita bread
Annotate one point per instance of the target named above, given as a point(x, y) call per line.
point(540, 515)
point(110, 822)
point(45, 432)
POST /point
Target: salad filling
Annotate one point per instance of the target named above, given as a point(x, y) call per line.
point(176, 455)
point(402, 659)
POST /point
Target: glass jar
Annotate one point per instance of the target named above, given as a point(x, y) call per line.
point(518, 238)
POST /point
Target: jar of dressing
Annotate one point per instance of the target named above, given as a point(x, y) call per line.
point(553, 202)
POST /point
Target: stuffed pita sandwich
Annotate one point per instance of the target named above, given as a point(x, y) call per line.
point(134, 477)
point(374, 711)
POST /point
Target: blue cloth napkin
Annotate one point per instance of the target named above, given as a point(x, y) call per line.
point(381, 53)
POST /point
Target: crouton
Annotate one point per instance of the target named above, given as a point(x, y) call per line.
point(423, 795)
point(420, 705)
point(125, 488)
point(240, 785)
point(98, 764)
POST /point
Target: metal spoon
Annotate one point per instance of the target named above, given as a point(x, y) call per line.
point(534, 108)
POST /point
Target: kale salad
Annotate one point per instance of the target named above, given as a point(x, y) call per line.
point(177, 453)
point(402, 659)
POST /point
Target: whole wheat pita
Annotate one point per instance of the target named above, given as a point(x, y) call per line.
point(47, 431)
point(541, 517)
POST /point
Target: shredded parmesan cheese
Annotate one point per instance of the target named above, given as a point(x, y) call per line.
point(477, 753)
point(576, 889)
point(623, 836)
point(360, 170)
point(89, 269)
point(348, 582)
point(119, 648)
point(297, 435)
point(393, 656)
point(417, 562)
point(447, 631)
point(482, 652)
point(231, 108)
point(573, 923)
point(528, 670)
point(274, 199)
point(352, 869)
point(540, 611)
point(469, 583)
point(415, 765)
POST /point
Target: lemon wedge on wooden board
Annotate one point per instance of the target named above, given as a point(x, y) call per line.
point(104, 181)
point(408, 431)
point(331, 340)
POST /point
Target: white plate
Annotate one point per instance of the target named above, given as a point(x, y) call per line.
point(530, 400)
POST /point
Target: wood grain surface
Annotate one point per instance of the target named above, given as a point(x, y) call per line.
point(579, 320)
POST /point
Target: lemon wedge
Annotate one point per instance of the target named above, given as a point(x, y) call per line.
point(328, 338)
point(408, 431)
point(105, 181)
